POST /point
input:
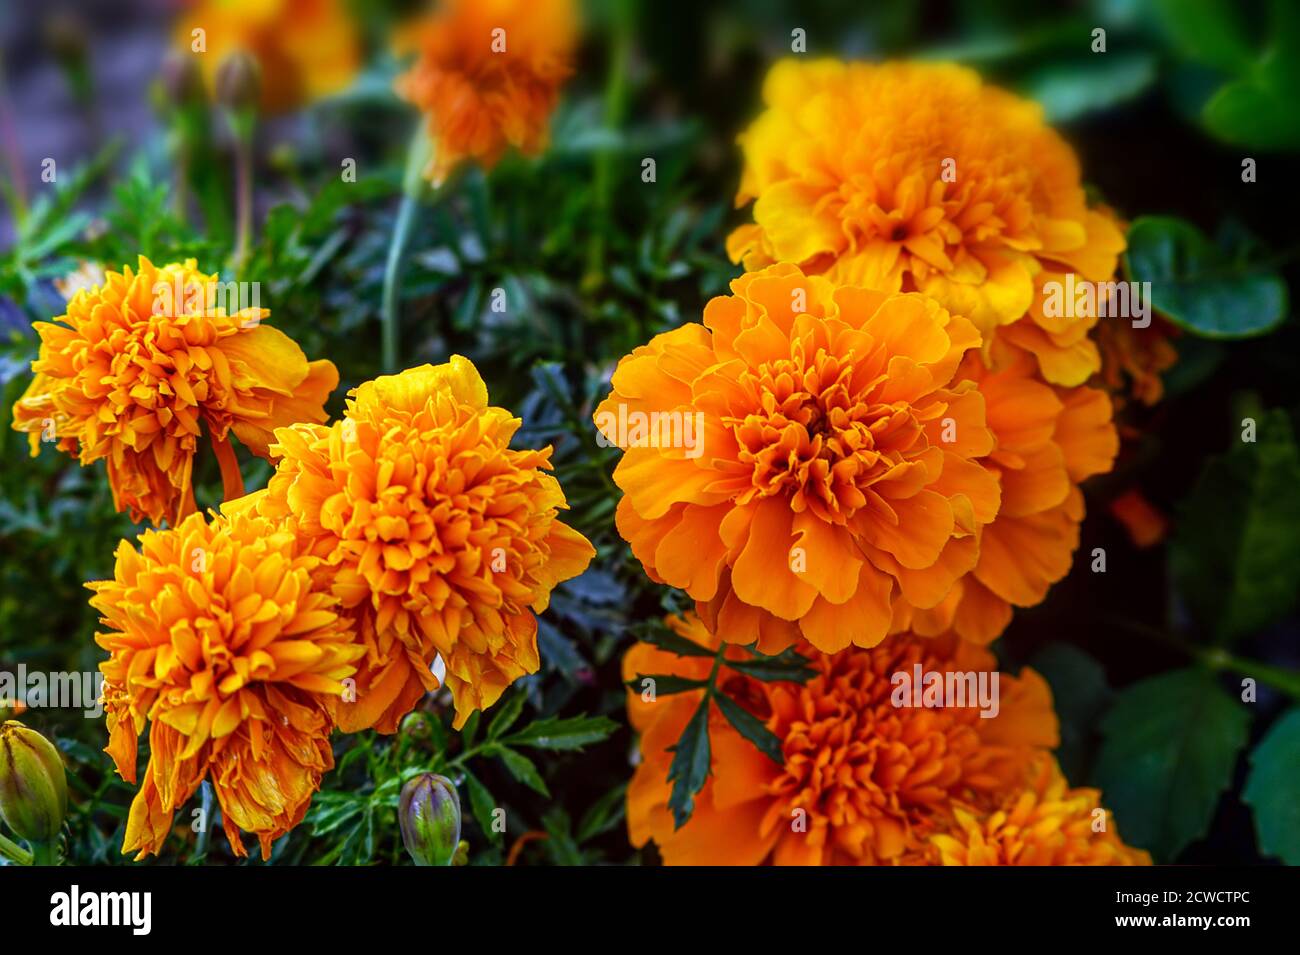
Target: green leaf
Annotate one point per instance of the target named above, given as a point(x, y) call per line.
point(521, 767)
point(1207, 31)
point(1272, 788)
point(1074, 88)
point(665, 684)
point(507, 714)
point(1209, 290)
point(555, 733)
point(751, 727)
point(1170, 746)
point(482, 805)
point(1081, 695)
point(1235, 557)
point(787, 666)
point(658, 635)
point(690, 766)
point(1248, 113)
point(604, 814)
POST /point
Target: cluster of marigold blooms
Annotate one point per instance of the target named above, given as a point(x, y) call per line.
point(895, 431)
point(881, 391)
point(403, 539)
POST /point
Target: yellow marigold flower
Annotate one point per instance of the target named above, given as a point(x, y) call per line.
point(1047, 441)
point(440, 539)
point(487, 75)
point(916, 176)
point(143, 364)
point(864, 781)
point(829, 462)
point(1046, 823)
point(220, 641)
point(306, 48)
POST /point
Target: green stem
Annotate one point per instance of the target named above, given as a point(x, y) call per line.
point(46, 853)
point(14, 852)
point(243, 124)
point(417, 157)
point(1218, 659)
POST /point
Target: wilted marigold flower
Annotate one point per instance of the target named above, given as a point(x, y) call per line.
point(1046, 823)
point(438, 538)
point(487, 75)
point(1047, 441)
point(864, 781)
point(1133, 359)
point(834, 472)
point(140, 366)
point(306, 49)
point(222, 643)
point(916, 176)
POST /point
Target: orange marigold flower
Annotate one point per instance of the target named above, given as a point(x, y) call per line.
point(1133, 359)
point(916, 176)
point(835, 468)
point(306, 48)
point(1046, 823)
point(221, 642)
point(1143, 523)
point(864, 781)
point(487, 75)
point(439, 539)
point(143, 363)
point(1047, 441)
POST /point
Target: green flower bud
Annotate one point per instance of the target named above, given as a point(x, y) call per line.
point(429, 816)
point(33, 783)
point(415, 725)
point(239, 81)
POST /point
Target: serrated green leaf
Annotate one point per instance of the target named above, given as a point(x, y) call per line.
point(665, 684)
point(1208, 290)
point(1273, 789)
point(604, 814)
point(787, 666)
point(482, 805)
point(751, 727)
point(521, 768)
point(506, 714)
point(1170, 745)
point(1235, 557)
point(660, 636)
point(690, 766)
point(556, 733)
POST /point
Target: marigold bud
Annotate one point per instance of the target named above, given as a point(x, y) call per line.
point(239, 81)
point(429, 816)
point(33, 783)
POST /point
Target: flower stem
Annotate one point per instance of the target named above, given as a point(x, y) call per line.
point(417, 157)
point(14, 852)
point(243, 123)
point(46, 853)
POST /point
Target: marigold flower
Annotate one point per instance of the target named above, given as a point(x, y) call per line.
point(306, 48)
point(144, 363)
point(438, 537)
point(916, 176)
point(836, 469)
point(221, 642)
point(1046, 823)
point(864, 781)
point(1047, 442)
point(487, 75)
point(1133, 359)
